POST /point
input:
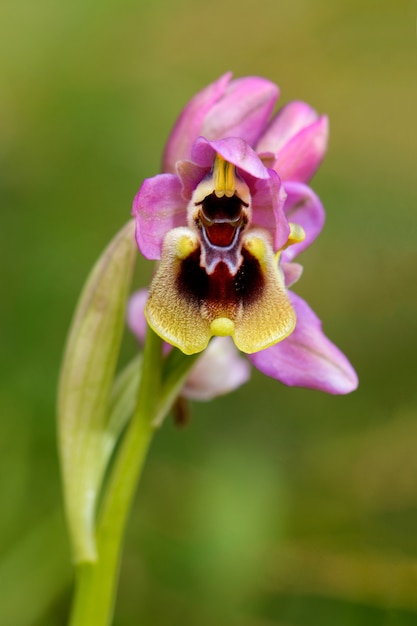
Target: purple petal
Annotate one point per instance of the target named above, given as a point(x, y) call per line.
point(268, 201)
point(243, 111)
point(292, 273)
point(287, 123)
point(226, 108)
point(232, 149)
point(302, 207)
point(191, 175)
point(189, 124)
point(158, 207)
point(219, 370)
point(307, 358)
point(300, 157)
point(136, 320)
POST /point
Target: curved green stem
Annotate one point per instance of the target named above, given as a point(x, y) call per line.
point(96, 582)
point(160, 383)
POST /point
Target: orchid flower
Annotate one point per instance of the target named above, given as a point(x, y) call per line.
point(226, 219)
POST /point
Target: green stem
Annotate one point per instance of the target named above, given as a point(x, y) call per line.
point(96, 582)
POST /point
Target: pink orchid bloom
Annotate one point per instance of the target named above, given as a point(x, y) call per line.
point(226, 218)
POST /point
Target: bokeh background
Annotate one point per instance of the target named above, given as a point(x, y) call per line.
point(274, 505)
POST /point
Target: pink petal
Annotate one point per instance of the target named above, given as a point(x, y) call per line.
point(302, 207)
point(191, 175)
point(243, 111)
point(189, 124)
point(300, 157)
point(136, 320)
point(268, 201)
point(307, 358)
point(226, 108)
point(232, 149)
point(219, 370)
point(158, 207)
point(292, 273)
point(287, 123)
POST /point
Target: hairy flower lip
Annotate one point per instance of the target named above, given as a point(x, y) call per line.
point(195, 294)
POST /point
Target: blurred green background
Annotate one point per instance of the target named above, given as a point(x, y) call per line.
point(275, 505)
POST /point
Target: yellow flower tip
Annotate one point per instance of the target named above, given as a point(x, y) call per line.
point(297, 234)
point(222, 327)
point(189, 348)
point(188, 344)
point(184, 246)
point(249, 338)
point(224, 177)
point(257, 247)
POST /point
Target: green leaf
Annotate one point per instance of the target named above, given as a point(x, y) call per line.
point(122, 404)
point(86, 379)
